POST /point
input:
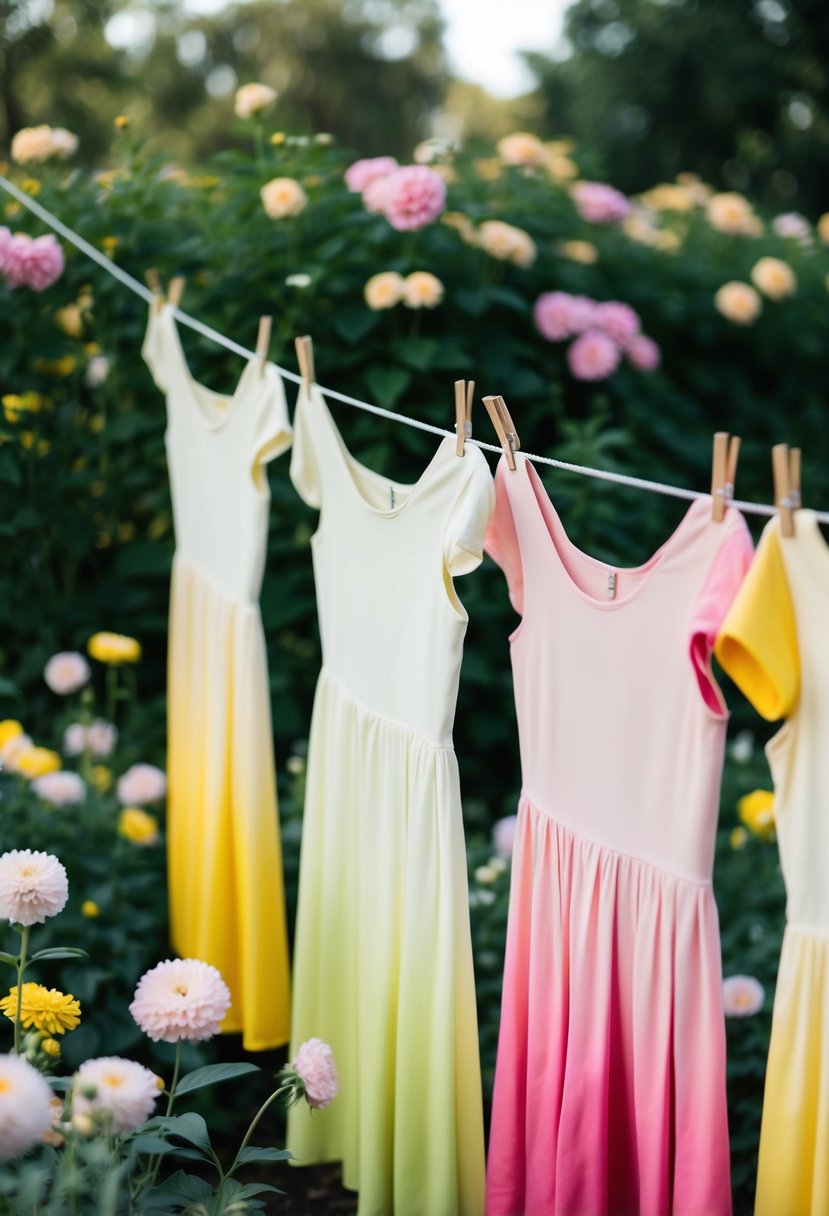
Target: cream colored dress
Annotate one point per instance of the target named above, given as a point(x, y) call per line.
point(226, 893)
point(383, 958)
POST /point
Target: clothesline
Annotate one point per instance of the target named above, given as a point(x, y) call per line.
point(134, 285)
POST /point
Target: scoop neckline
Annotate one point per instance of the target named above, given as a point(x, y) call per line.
point(647, 568)
point(354, 469)
point(220, 420)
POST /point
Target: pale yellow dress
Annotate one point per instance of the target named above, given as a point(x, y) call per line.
point(226, 890)
point(775, 644)
point(383, 957)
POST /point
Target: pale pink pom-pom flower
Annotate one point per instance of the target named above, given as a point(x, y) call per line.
point(619, 321)
point(34, 263)
point(25, 1106)
point(593, 356)
point(60, 789)
point(414, 197)
point(140, 784)
point(643, 353)
point(363, 172)
point(314, 1063)
point(125, 1093)
point(743, 996)
point(599, 203)
point(558, 315)
point(181, 998)
point(66, 672)
point(5, 238)
point(503, 835)
point(374, 195)
point(32, 887)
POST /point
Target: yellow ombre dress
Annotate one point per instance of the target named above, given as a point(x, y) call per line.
point(775, 645)
point(226, 894)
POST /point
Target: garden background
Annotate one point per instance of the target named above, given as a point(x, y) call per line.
point(165, 175)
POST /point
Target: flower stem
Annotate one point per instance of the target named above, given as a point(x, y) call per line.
point(112, 691)
point(176, 1070)
point(21, 967)
point(254, 1124)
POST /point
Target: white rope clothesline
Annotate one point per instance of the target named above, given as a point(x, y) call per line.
point(139, 289)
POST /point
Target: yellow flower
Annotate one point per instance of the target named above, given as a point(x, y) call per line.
point(121, 122)
point(10, 729)
point(738, 838)
point(560, 147)
point(109, 245)
point(823, 227)
point(666, 240)
point(282, 197)
point(158, 527)
point(14, 404)
point(50, 1047)
point(137, 826)
point(738, 303)
point(100, 778)
point(422, 290)
point(69, 320)
point(462, 225)
point(56, 367)
point(30, 186)
point(36, 762)
point(384, 290)
point(90, 908)
point(12, 210)
point(732, 213)
point(561, 168)
point(45, 1009)
point(278, 138)
point(253, 99)
point(579, 251)
point(668, 197)
point(756, 810)
point(774, 277)
point(522, 148)
point(114, 648)
point(507, 243)
point(488, 168)
point(696, 187)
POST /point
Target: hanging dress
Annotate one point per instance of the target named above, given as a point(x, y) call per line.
point(609, 1090)
point(383, 956)
point(226, 895)
point(775, 645)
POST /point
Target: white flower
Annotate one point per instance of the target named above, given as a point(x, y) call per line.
point(252, 99)
point(792, 225)
point(743, 996)
point(141, 783)
point(12, 749)
point(97, 370)
point(742, 748)
point(32, 887)
point(282, 197)
point(66, 672)
point(102, 737)
point(125, 1092)
point(61, 788)
point(25, 1106)
point(298, 280)
point(485, 875)
point(181, 998)
point(64, 143)
point(503, 835)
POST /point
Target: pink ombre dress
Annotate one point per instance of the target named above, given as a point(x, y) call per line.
point(610, 1081)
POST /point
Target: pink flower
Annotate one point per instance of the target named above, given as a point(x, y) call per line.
point(181, 998)
point(66, 672)
point(743, 996)
point(362, 173)
point(503, 835)
point(643, 353)
point(32, 887)
point(593, 356)
point(5, 238)
point(415, 196)
point(123, 1093)
point(558, 315)
point(141, 783)
point(314, 1063)
point(32, 263)
point(598, 203)
point(618, 321)
point(374, 195)
point(60, 789)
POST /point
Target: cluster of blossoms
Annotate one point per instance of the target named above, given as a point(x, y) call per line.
point(25, 261)
point(420, 289)
point(408, 196)
point(253, 99)
point(34, 145)
point(741, 303)
point(601, 333)
point(522, 150)
point(496, 238)
point(598, 203)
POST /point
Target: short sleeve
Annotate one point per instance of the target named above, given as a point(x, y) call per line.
point(153, 349)
point(272, 435)
point(305, 470)
point(501, 541)
point(724, 577)
point(757, 644)
point(464, 539)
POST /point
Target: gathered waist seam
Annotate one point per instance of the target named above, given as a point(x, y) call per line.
point(332, 678)
point(183, 559)
point(819, 931)
point(703, 884)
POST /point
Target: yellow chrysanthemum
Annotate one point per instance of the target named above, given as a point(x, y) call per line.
point(121, 122)
point(756, 810)
point(109, 244)
point(579, 251)
point(137, 826)
point(69, 319)
point(10, 729)
point(43, 1009)
point(36, 762)
point(114, 648)
point(738, 837)
point(90, 908)
point(30, 186)
point(51, 1047)
point(101, 778)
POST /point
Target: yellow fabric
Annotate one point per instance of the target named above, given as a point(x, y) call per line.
point(226, 894)
point(757, 645)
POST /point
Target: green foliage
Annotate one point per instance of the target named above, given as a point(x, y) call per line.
point(86, 522)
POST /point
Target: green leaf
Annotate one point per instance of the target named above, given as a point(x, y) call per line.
point(387, 384)
point(59, 952)
point(189, 1127)
point(252, 1153)
point(152, 1146)
point(419, 353)
point(11, 959)
point(213, 1074)
point(354, 324)
point(256, 1188)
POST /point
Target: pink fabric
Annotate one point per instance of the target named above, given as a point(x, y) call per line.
point(610, 1081)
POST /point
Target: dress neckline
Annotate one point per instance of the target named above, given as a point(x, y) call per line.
point(355, 471)
point(214, 420)
point(558, 539)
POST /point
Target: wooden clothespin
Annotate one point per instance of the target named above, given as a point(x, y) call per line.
point(263, 341)
point(154, 283)
point(463, 413)
point(305, 358)
point(785, 464)
point(175, 290)
point(723, 473)
point(504, 427)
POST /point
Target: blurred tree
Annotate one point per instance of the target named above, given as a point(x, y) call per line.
point(738, 92)
point(369, 71)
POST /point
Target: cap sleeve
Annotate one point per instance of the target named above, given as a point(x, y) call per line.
point(305, 469)
point(724, 577)
point(272, 435)
point(154, 348)
point(501, 540)
point(463, 549)
point(757, 644)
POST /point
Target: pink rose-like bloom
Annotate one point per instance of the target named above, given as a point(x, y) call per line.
point(141, 783)
point(558, 315)
point(314, 1063)
point(792, 225)
point(5, 238)
point(34, 263)
point(643, 353)
point(362, 173)
point(593, 356)
point(374, 195)
point(598, 203)
point(503, 835)
point(743, 996)
point(619, 321)
point(181, 998)
point(414, 197)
